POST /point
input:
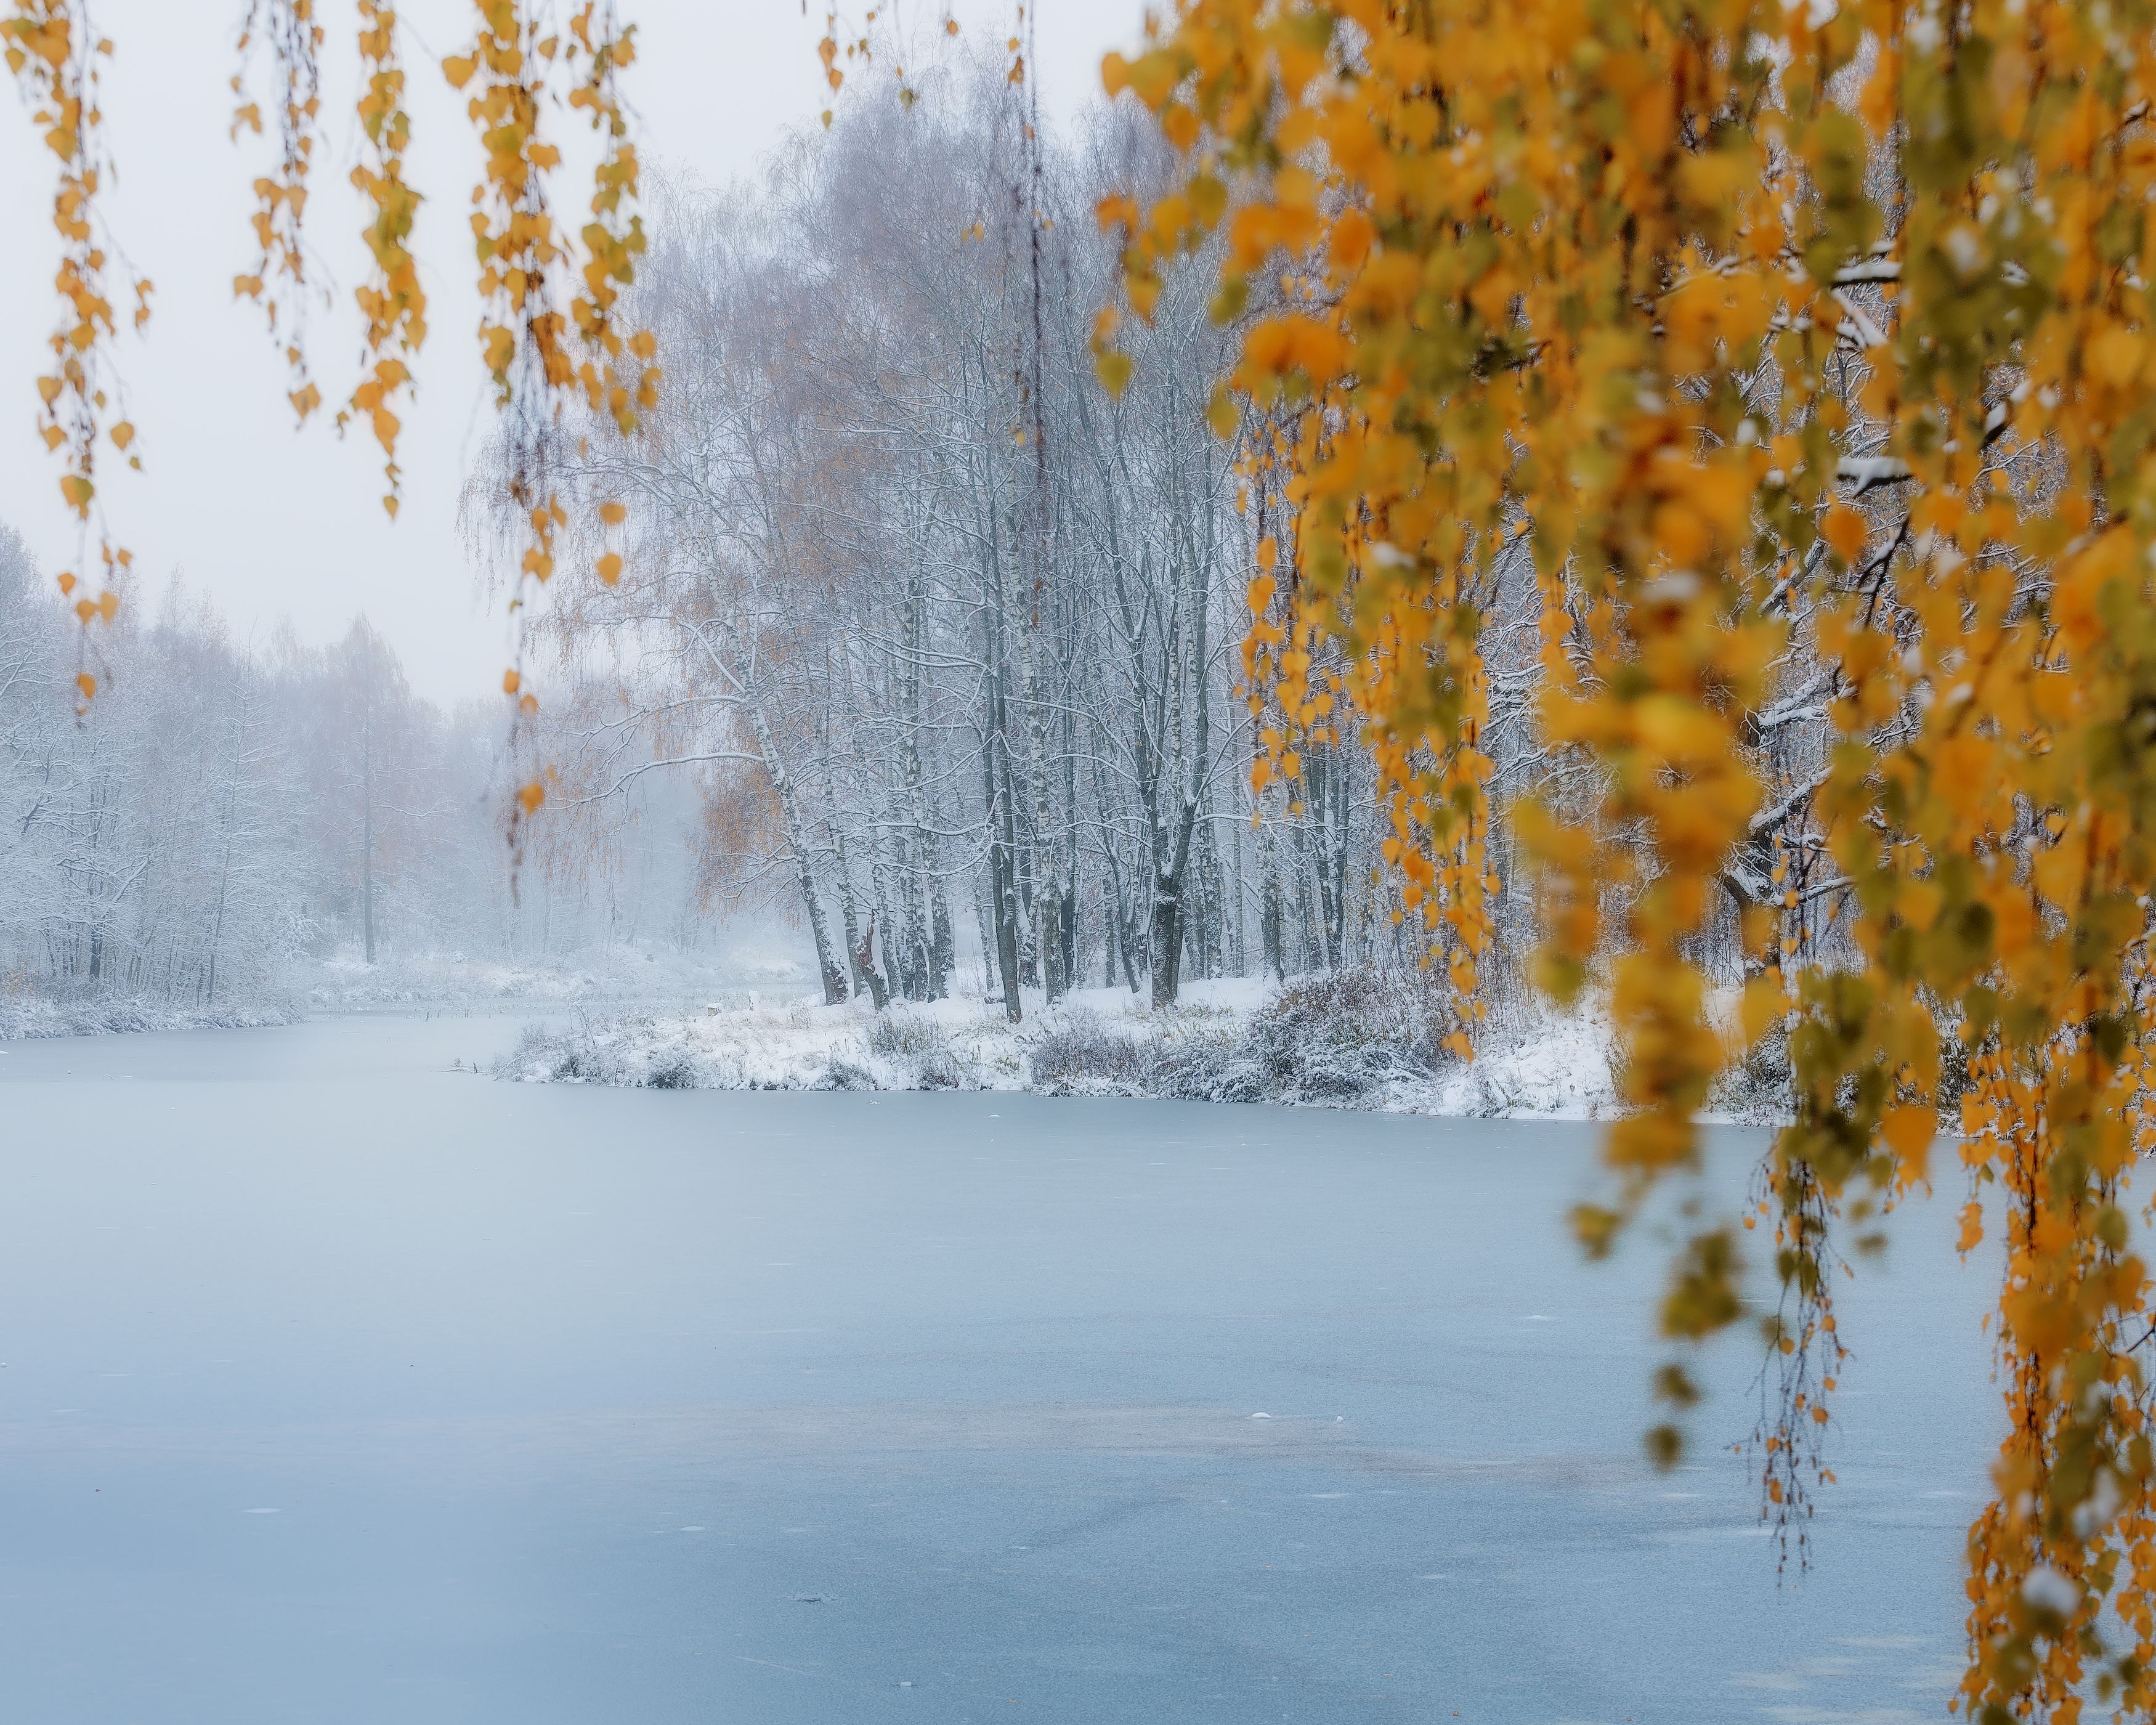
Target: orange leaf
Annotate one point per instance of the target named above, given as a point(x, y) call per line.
point(1844, 529)
point(1909, 1131)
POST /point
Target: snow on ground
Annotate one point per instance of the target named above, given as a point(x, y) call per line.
point(27, 1017)
point(1359, 1040)
point(647, 975)
point(623, 973)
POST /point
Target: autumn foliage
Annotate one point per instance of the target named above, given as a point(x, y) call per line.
point(1776, 336)
point(551, 333)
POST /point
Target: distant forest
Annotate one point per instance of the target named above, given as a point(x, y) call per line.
point(221, 810)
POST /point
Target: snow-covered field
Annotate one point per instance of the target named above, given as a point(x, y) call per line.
point(1358, 1041)
point(647, 976)
point(640, 972)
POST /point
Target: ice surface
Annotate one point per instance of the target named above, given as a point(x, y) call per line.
point(981, 1386)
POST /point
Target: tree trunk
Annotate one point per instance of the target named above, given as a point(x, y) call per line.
point(849, 921)
point(985, 923)
point(224, 871)
point(1272, 917)
point(864, 965)
point(797, 844)
point(943, 946)
point(366, 824)
point(1002, 864)
point(1166, 934)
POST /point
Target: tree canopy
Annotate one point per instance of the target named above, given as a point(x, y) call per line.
point(551, 331)
point(1799, 345)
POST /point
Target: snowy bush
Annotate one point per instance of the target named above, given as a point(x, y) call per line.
point(1331, 1038)
point(635, 1050)
point(1337, 1037)
point(25, 1016)
point(1757, 1089)
point(904, 1033)
point(673, 1070)
point(1081, 1055)
point(916, 1051)
point(844, 1074)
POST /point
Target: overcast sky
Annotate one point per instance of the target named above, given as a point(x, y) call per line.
point(274, 524)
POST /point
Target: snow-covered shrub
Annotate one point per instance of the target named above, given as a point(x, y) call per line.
point(24, 1016)
point(672, 1070)
point(1082, 1055)
point(1758, 1087)
point(844, 1074)
point(1328, 1039)
point(917, 1049)
point(939, 1070)
point(635, 1050)
point(1337, 1037)
point(1209, 1065)
point(564, 1055)
point(901, 1033)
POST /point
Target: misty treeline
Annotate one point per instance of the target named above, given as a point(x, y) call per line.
point(951, 639)
point(921, 637)
point(224, 810)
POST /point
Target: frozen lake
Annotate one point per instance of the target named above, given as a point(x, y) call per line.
point(343, 1387)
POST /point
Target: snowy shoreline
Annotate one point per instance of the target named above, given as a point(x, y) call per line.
point(1340, 1043)
point(33, 1019)
point(623, 978)
point(1359, 1039)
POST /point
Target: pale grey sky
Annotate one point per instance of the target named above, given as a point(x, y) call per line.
point(271, 523)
